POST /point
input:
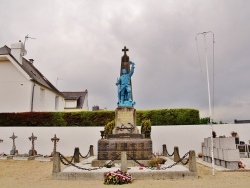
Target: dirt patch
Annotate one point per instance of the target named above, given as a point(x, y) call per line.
point(32, 173)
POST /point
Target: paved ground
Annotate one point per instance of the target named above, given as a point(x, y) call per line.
point(86, 163)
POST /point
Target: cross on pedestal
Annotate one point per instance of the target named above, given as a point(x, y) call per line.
point(32, 139)
point(14, 150)
point(55, 140)
point(125, 50)
point(13, 137)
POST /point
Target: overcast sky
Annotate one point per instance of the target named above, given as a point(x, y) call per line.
point(80, 42)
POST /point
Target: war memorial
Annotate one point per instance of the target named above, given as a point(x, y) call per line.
point(126, 150)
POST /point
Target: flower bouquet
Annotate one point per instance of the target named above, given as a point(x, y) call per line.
point(117, 178)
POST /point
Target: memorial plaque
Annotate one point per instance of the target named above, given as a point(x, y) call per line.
point(125, 121)
point(139, 149)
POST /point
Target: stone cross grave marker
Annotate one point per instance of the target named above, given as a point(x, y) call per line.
point(55, 140)
point(14, 150)
point(32, 151)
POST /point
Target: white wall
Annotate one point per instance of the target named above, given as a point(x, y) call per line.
point(15, 95)
point(186, 137)
point(48, 103)
point(16, 92)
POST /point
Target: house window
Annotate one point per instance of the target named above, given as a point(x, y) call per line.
point(56, 103)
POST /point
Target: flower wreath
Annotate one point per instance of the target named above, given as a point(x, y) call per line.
point(117, 178)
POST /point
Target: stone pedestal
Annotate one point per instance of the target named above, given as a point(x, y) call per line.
point(139, 149)
point(126, 138)
point(125, 121)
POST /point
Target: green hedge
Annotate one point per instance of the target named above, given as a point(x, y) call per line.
point(169, 116)
point(98, 118)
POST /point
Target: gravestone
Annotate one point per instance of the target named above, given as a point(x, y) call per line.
point(125, 135)
point(14, 151)
point(32, 151)
point(55, 140)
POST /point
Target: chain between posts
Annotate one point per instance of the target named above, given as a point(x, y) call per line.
point(164, 168)
point(169, 154)
point(86, 156)
point(67, 163)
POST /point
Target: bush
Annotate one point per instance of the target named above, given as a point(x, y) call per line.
point(108, 128)
point(145, 125)
point(98, 118)
point(169, 116)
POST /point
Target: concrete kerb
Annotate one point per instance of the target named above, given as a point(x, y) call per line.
point(93, 175)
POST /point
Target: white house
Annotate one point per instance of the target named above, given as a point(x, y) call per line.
point(76, 101)
point(22, 87)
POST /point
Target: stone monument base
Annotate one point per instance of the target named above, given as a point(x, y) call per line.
point(136, 148)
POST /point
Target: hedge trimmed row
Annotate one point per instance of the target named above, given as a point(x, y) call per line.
point(98, 118)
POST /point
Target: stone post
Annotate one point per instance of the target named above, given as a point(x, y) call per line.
point(56, 163)
point(164, 150)
point(124, 165)
point(176, 154)
point(192, 161)
point(91, 150)
point(76, 155)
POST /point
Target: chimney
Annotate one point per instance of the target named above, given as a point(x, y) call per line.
point(18, 51)
point(31, 61)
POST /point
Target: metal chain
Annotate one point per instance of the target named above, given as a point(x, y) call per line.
point(185, 162)
point(164, 168)
point(180, 160)
point(72, 164)
point(169, 154)
point(63, 159)
point(86, 156)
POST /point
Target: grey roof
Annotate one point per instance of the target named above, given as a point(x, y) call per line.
point(78, 96)
point(31, 70)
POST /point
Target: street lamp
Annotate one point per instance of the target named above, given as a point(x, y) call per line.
point(208, 88)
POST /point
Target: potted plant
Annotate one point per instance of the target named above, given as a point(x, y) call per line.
point(108, 128)
point(146, 128)
point(234, 134)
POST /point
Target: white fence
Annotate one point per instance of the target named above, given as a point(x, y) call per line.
point(186, 137)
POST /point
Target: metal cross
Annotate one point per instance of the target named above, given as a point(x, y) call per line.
point(13, 137)
point(32, 139)
point(55, 140)
point(125, 50)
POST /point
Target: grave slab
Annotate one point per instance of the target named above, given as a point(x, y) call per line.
point(209, 142)
point(223, 163)
point(227, 143)
point(233, 165)
point(217, 142)
point(231, 154)
point(217, 162)
point(220, 154)
point(216, 153)
point(204, 151)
